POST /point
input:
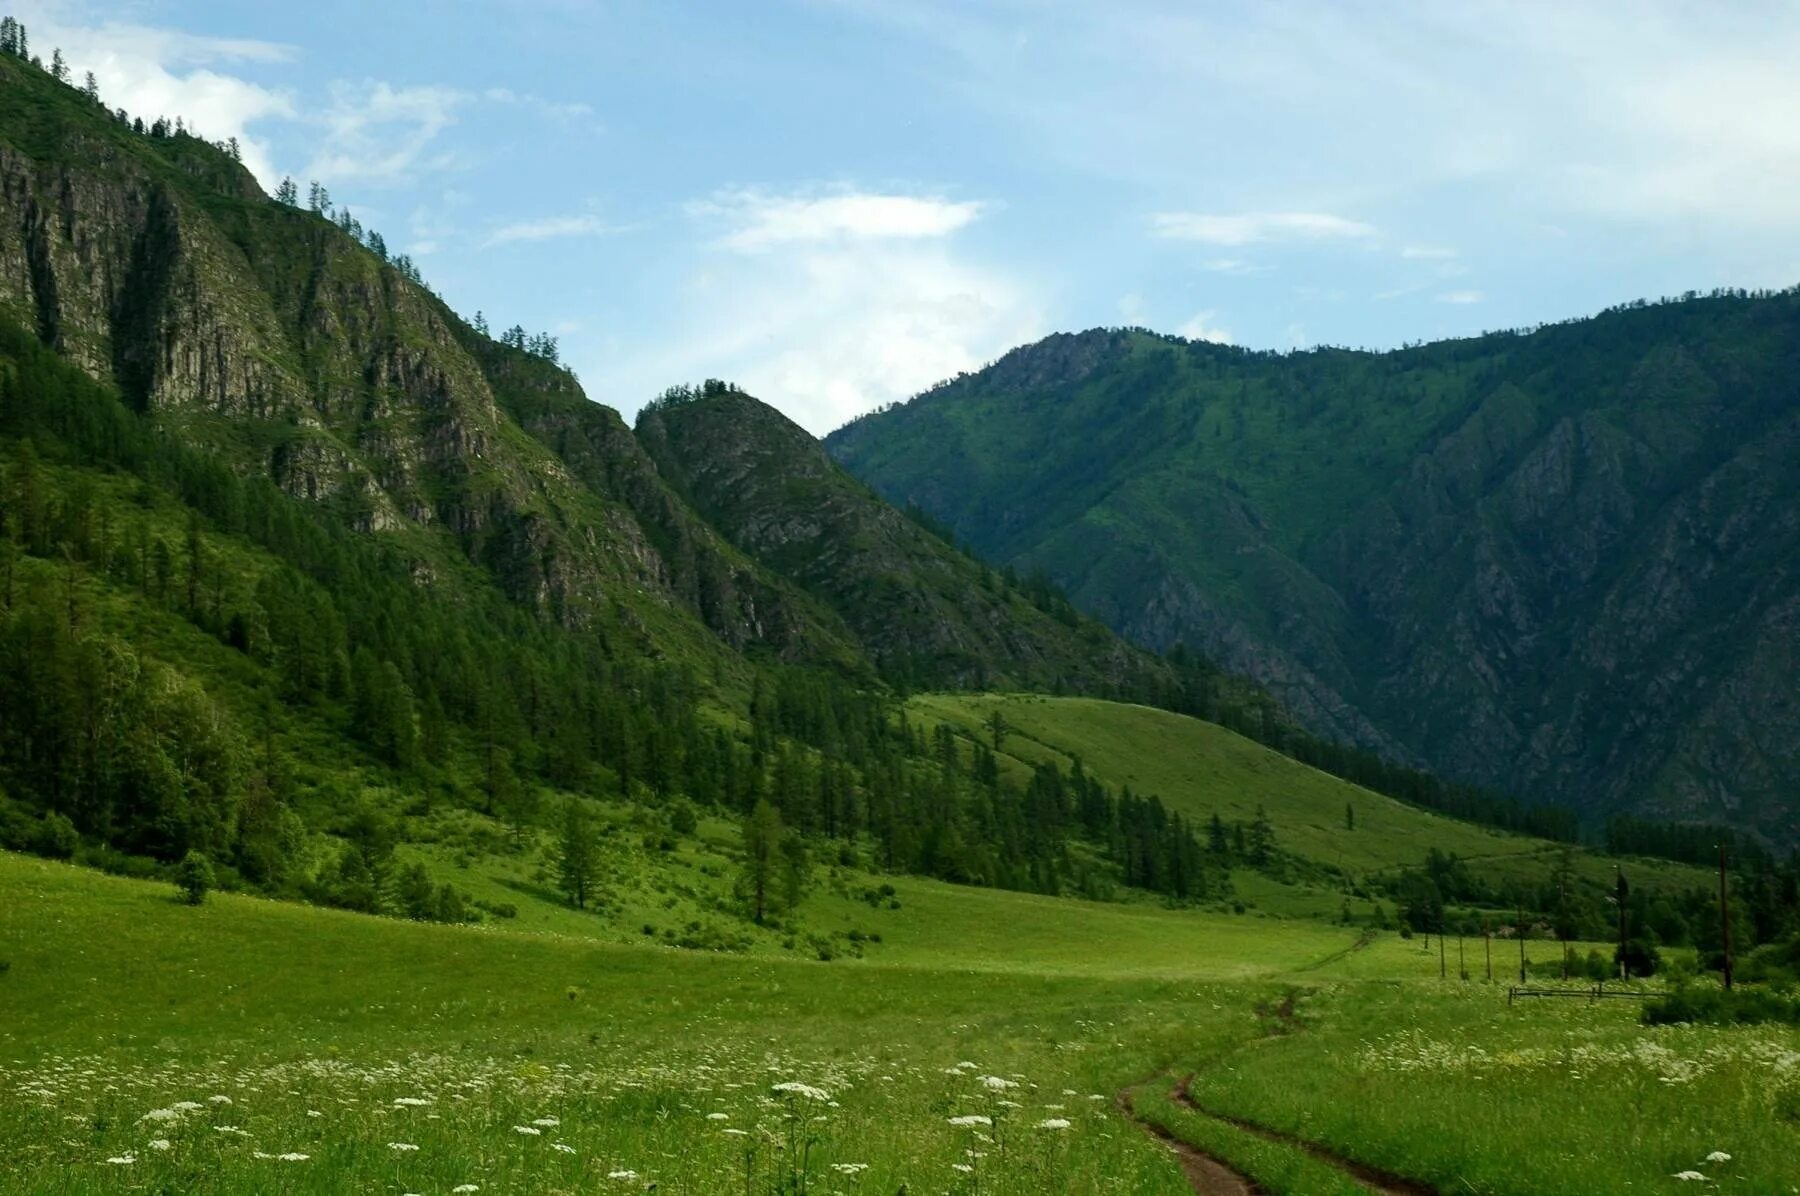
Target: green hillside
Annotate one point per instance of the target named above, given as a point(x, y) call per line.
point(1200, 770)
point(1556, 563)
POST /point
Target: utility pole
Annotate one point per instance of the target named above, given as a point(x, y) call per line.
point(1725, 917)
point(1624, 893)
point(1521, 944)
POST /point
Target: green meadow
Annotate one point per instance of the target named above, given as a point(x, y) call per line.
point(980, 1046)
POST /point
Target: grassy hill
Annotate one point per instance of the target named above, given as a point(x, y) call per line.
point(1200, 769)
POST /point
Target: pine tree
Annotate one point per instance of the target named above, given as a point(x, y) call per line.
point(577, 855)
point(763, 835)
point(288, 193)
point(91, 88)
point(481, 325)
point(59, 70)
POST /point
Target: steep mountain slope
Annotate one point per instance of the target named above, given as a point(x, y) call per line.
point(1561, 563)
point(277, 340)
point(927, 613)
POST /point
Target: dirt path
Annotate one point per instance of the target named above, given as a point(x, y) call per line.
point(1373, 1178)
point(1212, 1177)
point(1206, 1175)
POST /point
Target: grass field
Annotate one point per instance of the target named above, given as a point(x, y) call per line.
point(207, 1046)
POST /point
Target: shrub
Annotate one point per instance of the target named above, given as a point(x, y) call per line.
point(1717, 1007)
point(194, 876)
point(55, 836)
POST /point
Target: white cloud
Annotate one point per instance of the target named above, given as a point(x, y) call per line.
point(829, 312)
point(153, 73)
point(1201, 328)
point(380, 135)
point(547, 227)
point(1252, 227)
point(1234, 266)
point(758, 221)
point(1461, 297)
point(567, 112)
point(1428, 253)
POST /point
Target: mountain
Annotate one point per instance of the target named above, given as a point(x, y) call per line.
point(1562, 563)
point(296, 563)
point(928, 614)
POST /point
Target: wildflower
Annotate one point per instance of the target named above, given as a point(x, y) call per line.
point(228, 1129)
point(795, 1088)
point(160, 1144)
point(972, 1119)
point(401, 1147)
point(314, 1113)
point(547, 1122)
point(1718, 1156)
point(964, 1168)
point(293, 1156)
point(123, 1160)
point(220, 1099)
point(466, 1188)
point(162, 1115)
point(621, 1175)
point(1685, 1175)
point(738, 1133)
point(530, 1130)
point(849, 1168)
point(411, 1102)
point(1054, 1123)
point(996, 1083)
point(564, 1147)
point(718, 1117)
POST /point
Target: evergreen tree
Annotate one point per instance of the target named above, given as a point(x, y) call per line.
point(577, 854)
point(194, 877)
point(59, 70)
point(288, 193)
point(763, 839)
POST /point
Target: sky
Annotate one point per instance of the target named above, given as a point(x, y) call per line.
point(837, 203)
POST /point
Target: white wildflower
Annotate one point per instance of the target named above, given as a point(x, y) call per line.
point(564, 1147)
point(466, 1188)
point(1718, 1156)
point(220, 1099)
point(996, 1083)
point(402, 1147)
point(410, 1102)
point(1686, 1175)
point(293, 1156)
point(531, 1130)
point(160, 1144)
point(621, 1175)
point(963, 1167)
point(718, 1117)
point(795, 1088)
point(972, 1119)
point(849, 1168)
point(123, 1160)
point(162, 1115)
point(1054, 1123)
point(547, 1122)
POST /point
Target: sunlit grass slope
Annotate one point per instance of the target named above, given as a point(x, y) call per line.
point(1201, 769)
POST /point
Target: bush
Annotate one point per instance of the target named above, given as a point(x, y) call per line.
point(1717, 1007)
point(55, 836)
point(194, 875)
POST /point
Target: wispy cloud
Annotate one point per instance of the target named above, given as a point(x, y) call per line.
point(758, 221)
point(380, 135)
point(1201, 328)
point(1249, 228)
point(1461, 297)
point(559, 110)
point(1428, 253)
point(546, 228)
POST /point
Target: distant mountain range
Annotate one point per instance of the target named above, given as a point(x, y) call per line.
point(1565, 563)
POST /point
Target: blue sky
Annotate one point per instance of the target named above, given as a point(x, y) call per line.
point(839, 202)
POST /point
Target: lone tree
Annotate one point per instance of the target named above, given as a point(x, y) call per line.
point(578, 855)
point(765, 850)
point(997, 728)
point(195, 877)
